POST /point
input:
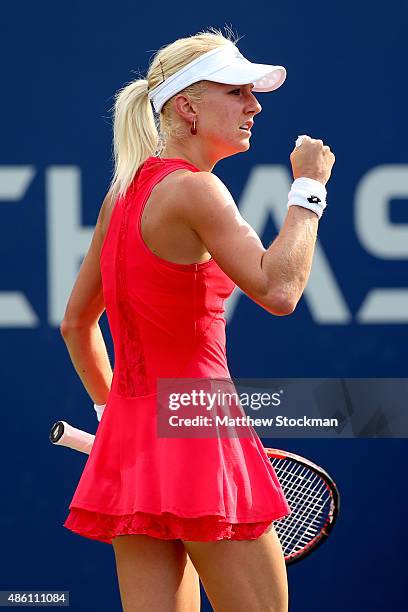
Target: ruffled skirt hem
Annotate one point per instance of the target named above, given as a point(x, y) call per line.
point(165, 526)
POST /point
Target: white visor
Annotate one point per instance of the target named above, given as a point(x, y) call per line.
point(222, 65)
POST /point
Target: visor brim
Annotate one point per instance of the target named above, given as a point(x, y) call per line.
point(265, 77)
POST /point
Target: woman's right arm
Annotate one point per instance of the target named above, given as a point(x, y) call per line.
point(275, 277)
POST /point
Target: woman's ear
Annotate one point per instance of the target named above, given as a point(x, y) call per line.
point(185, 108)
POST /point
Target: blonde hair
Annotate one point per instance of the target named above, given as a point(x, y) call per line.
point(137, 133)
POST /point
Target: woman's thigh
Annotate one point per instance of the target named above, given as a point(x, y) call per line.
point(155, 574)
point(242, 575)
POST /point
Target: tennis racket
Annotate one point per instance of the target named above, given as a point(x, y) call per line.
point(311, 494)
point(314, 500)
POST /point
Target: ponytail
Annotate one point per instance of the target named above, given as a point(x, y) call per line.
point(135, 135)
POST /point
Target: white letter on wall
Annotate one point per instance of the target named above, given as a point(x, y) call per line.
point(382, 238)
point(67, 240)
point(15, 309)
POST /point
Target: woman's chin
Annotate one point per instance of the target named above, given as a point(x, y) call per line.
point(236, 147)
point(245, 145)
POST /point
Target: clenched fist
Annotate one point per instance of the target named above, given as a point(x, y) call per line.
point(312, 159)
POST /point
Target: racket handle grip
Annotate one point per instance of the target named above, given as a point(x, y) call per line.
point(64, 434)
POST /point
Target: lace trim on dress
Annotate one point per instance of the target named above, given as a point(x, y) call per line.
point(132, 370)
point(166, 526)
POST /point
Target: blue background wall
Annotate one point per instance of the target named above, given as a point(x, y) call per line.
point(346, 84)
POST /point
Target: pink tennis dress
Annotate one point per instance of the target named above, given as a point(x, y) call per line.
point(167, 322)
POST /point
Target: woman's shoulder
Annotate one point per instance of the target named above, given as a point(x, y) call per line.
point(186, 186)
point(201, 185)
point(203, 189)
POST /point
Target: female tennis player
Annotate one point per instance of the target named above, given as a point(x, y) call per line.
point(168, 249)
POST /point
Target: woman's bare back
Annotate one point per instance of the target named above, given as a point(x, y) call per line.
point(166, 234)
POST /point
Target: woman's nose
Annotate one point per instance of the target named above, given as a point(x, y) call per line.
point(255, 106)
point(258, 106)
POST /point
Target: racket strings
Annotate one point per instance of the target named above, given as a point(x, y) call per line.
point(309, 500)
point(306, 501)
point(298, 531)
point(298, 483)
point(297, 534)
point(304, 496)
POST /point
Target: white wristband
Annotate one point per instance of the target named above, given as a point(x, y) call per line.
point(308, 193)
point(99, 410)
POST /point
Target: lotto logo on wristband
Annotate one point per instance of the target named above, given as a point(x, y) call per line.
point(314, 200)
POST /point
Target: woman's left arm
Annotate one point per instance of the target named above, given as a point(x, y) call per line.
point(80, 326)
